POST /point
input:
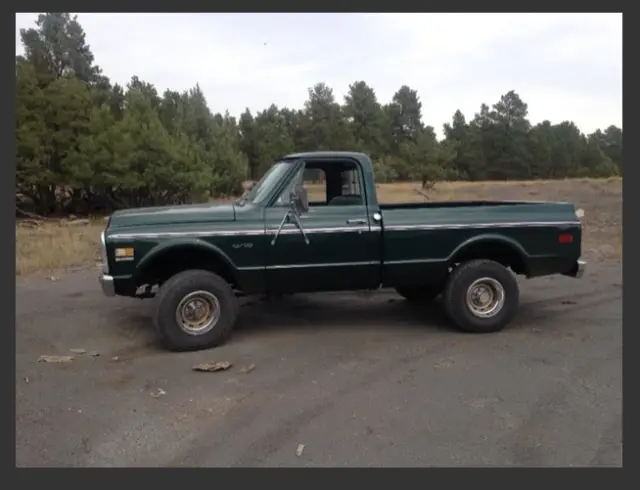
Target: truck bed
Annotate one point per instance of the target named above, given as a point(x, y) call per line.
point(423, 239)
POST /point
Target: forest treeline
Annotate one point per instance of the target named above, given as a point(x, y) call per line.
point(87, 145)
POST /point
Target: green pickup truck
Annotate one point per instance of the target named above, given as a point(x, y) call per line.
point(197, 259)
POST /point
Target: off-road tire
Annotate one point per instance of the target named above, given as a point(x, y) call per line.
point(455, 293)
point(417, 294)
point(169, 297)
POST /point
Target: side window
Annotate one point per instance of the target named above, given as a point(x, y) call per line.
point(328, 183)
point(315, 180)
point(347, 188)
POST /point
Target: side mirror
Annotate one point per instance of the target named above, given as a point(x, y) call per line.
point(299, 203)
point(299, 200)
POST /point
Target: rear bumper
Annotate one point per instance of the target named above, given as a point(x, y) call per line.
point(577, 271)
point(108, 287)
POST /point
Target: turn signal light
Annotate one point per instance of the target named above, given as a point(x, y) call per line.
point(124, 252)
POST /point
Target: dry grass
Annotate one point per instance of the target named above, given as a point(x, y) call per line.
point(52, 247)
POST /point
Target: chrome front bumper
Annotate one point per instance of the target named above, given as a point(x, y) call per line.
point(578, 270)
point(106, 282)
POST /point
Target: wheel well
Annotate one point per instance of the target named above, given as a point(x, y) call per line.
point(501, 252)
point(182, 258)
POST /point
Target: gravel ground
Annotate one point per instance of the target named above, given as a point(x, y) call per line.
point(347, 379)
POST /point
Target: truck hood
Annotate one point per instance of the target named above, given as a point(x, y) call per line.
point(165, 215)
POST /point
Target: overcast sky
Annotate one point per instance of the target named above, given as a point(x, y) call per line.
point(565, 66)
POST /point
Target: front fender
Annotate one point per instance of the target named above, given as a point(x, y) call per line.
point(183, 243)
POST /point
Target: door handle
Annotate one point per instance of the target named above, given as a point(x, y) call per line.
point(359, 221)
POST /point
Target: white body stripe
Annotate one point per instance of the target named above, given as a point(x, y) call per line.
point(344, 229)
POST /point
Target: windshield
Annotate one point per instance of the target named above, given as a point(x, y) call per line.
point(266, 184)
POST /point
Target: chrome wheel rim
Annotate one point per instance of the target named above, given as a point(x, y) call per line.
point(485, 297)
point(198, 312)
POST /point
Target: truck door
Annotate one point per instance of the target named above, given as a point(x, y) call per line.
point(342, 252)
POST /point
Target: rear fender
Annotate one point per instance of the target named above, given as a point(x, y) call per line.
point(490, 239)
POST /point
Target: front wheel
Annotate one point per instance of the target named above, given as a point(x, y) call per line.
point(481, 296)
point(195, 309)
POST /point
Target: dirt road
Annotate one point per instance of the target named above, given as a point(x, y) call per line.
point(338, 380)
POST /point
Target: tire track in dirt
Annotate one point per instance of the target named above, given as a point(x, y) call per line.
point(240, 425)
point(238, 419)
point(256, 448)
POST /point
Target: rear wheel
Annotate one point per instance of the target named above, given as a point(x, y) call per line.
point(418, 294)
point(481, 296)
point(195, 309)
